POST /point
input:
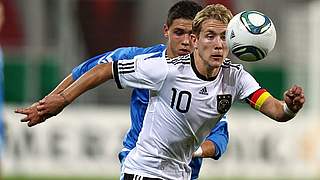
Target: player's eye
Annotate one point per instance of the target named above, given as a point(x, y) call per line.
point(223, 36)
point(179, 32)
point(210, 36)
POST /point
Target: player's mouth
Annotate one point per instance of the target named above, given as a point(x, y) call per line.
point(216, 56)
point(183, 52)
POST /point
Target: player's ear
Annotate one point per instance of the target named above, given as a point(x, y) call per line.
point(194, 40)
point(165, 30)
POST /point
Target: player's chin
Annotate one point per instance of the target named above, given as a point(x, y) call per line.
point(217, 59)
point(216, 62)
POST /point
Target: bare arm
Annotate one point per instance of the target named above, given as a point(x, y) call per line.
point(275, 109)
point(63, 85)
point(206, 150)
point(93, 78)
point(64, 94)
point(55, 103)
point(216, 143)
point(32, 112)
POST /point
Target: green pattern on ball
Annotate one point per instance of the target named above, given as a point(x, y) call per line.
point(249, 53)
point(252, 28)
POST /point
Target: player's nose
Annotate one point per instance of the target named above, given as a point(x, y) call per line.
point(186, 40)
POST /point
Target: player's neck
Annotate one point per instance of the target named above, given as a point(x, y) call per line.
point(204, 68)
point(169, 53)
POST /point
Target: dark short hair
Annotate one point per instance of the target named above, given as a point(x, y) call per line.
point(183, 9)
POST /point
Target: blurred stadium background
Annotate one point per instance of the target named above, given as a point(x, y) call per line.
point(44, 39)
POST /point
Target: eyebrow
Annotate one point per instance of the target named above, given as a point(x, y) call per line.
point(210, 31)
point(178, 28)
point(181, 29)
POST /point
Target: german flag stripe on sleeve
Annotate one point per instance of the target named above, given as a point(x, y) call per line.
point(257, 98)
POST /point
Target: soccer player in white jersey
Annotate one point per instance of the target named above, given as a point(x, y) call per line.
point(190, 94)
point(177, 30)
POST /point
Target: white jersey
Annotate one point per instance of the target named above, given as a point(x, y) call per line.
point(183, 108)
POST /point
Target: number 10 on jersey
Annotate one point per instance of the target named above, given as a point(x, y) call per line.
point(180, 100)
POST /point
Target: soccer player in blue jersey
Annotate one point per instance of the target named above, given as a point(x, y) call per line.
point(177, 30)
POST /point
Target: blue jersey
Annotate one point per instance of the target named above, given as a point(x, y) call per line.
point(139, 103)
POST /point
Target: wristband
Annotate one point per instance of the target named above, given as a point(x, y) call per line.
point(198, 152)
point(288, 111)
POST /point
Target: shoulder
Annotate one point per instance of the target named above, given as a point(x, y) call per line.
point(144, 50)
point(235, 73)
point(130, 52)
point(144, 66)
point(159, 65)
point(155, 48)
point(154, 66)
point(232, 69)
point(227, 64)
point(186, 59)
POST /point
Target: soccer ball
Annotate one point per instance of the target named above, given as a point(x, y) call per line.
point(251, 35)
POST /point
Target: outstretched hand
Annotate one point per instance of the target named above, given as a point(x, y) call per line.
point(294, 98)
point(32, 113)
point(42, 110)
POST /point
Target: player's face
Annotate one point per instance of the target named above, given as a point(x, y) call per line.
point(211, 43)
point(178, 35)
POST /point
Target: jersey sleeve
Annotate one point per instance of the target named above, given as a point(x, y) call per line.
point(219, 135)
point(87, 65)
point(246, 85)
point(124, 53)
point(144, 72)
point(120, 53)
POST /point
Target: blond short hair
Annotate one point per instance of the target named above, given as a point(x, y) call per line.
point(214, 11)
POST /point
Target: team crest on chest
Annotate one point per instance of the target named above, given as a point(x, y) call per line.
point(224, 103)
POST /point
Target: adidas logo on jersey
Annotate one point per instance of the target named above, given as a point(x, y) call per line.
point(203, 91)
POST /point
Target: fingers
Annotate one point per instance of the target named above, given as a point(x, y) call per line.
point(41, 109)
point(26, 119)
point(297, 90)
point(35, 114)
point(33, 123)
point(25, 111)
point(51, 105)
point(42, 101)
point(298, 95)
point(294, 97)
point(33, 120)
point(298, 100)
point(294, 91)
point(32, 116)
point(289, 93)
